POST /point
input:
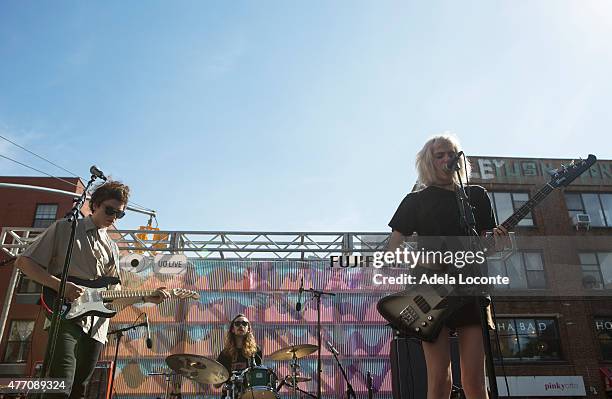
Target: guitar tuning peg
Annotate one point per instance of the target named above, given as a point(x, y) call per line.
point(552, 172)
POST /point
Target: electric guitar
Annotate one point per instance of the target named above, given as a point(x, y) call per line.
point(95, 296)
point(421, 310)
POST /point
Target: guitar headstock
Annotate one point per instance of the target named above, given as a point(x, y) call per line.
point(566, 174)
point(182, 293)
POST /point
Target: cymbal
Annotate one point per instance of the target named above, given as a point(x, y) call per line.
point(299, 350)
point(198, 368)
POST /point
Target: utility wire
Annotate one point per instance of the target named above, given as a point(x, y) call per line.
point(58, 166)
point(37, 170)
point(36, 155)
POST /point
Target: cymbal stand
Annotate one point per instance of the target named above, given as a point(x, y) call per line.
point(317, 295)
point(167, 378)
point(294, 370)
point(231, 386)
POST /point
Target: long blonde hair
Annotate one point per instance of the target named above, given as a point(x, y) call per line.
point(249, 346)
point(425, 162)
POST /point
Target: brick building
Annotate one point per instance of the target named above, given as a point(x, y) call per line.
point(556, 320)
point(24, 340)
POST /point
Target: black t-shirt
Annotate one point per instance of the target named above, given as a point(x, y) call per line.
point(238, 364)
point(434, 211)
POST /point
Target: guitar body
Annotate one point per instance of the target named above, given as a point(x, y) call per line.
point(90, 303)
point(421, 310)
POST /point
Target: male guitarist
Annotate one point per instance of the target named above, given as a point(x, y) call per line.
point(94, 255)
point(433, 211)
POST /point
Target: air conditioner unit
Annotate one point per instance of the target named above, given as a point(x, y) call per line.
point(582, 221)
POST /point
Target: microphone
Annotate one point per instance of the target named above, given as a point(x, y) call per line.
point(453, 164)
point(331, 348)
point(298, 305)
point(97, 172)
point(149, 340)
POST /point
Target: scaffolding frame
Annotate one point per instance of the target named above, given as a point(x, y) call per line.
point(236, 245)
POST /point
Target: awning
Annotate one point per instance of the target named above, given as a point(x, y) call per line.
point(606, 373)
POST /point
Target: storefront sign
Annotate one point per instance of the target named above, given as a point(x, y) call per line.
point(566, 385)
point(511, 170)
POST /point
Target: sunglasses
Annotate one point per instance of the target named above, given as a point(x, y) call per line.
point(241, 323)
point(110, 211)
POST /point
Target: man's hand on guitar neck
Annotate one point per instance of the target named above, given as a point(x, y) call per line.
point(161, 294)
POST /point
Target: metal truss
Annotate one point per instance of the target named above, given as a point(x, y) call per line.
point(224, 244)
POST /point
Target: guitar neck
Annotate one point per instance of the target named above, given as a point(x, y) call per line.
point(112, 295)
point(527, 207)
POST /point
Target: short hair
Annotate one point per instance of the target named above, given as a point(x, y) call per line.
point(110, 190)
point(425, 163)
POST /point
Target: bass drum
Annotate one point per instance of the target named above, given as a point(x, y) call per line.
point(258, 383)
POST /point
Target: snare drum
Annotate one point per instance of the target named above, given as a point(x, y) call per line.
point(258, 383)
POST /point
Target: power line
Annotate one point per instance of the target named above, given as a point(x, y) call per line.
point(58, 166)
point(37, 170)
point(36, 155)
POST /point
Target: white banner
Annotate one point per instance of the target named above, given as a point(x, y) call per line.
point(565, 385)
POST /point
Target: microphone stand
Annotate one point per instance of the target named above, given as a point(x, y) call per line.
point(119, 332)
point(72, 216)
point(469, 224)
point(350, 392)
point(317, 294)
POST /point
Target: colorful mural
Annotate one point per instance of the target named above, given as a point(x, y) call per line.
point(267, 292)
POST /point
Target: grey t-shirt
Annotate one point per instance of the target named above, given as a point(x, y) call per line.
point(94, 255)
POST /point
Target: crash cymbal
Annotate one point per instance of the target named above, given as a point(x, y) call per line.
point(299, 350)
point(198, 368)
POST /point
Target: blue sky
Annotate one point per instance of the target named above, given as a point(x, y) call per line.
point(295, 116)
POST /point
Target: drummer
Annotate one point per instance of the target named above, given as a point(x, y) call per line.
point(240, 351)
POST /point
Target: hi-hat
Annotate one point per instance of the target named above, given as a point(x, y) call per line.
point(287, 353)
point(198, 368)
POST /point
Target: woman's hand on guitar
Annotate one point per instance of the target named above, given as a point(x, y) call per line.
point(161, 294)
point(502, 239)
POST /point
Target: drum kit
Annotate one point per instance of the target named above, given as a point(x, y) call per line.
point(256, 382)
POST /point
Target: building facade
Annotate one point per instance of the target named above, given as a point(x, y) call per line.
point(556, 319)
point(24, 340)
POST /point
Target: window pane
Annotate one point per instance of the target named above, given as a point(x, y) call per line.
point(587, 258)
point(46, 211)
point(516, 271)
point(547, 328)
point(605, 265)
point(573, 202)
point(503, 205)
point(509, 346)
point(528, 339)
point(606, 201)
point(533, 261)
point(603, 330)
point(591, 279)
point(536, 279)
point(592, 207)
point(27, 286)
point(526, 327)
point(18, 344)
point(45, 215)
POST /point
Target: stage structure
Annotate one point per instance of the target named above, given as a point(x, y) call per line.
point(255, 273)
